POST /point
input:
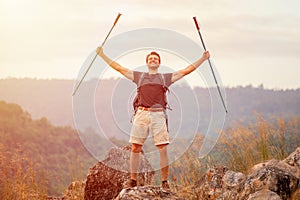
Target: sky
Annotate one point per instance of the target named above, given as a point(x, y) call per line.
point(251, 42)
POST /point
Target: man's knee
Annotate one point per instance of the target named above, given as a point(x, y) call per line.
point(162, 146)
point(136, 148)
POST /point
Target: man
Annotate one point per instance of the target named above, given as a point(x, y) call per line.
point(150, 115)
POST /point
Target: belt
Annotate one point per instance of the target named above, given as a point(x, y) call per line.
point(150, 109)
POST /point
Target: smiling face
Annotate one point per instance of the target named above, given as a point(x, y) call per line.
point(153, 60)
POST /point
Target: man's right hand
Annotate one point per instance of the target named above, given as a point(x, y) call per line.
point(100, 51)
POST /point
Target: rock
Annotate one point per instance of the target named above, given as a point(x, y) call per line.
point(232, 183)
point(146, 193)
point(264, 195)
point(233, 179)
point(269, 180)
point(296, 196)
point(210, 185)
point(294, 158)
point(294, 161)
point(75, 191)
point(273, 175)
point(49, 198)
point(105, 179)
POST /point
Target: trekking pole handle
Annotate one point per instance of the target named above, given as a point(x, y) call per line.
point(196, 23)
point(198, 28)
point(119, 15)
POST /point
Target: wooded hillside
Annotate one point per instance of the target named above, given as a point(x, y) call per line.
point(53, 99)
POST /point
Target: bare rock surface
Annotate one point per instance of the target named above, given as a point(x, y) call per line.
point(274, 179)
point(105, 179)
point(273, 175)
point(146, 193)
point(264, 195)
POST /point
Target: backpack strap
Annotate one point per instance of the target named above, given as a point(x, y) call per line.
point(162, 77)
point(136, 99)
point(163, 80)
point(168, 106)
point(138, 87)
point(141, 80)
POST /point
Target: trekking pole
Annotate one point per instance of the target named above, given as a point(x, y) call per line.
point(197, 26)
point(116, 20)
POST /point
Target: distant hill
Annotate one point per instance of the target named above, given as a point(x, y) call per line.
point(111, 103)
point(57, 152)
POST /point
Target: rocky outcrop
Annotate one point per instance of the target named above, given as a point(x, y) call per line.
point(105, 179)
point(264, 195)
point(293, 160)
point(273, 175)
point(269, 180)
point(210, 185)
point(146, 193)
point(75, 191)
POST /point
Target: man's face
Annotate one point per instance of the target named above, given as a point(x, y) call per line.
point(153, 61)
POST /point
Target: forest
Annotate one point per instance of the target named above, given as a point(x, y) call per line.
point(53, 156)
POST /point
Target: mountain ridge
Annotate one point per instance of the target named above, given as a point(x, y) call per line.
point(53, 99)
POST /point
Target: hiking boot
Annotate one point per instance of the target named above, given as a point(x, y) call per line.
point(129, 184)
point(165, 187)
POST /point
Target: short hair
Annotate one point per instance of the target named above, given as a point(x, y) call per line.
point(153, 53)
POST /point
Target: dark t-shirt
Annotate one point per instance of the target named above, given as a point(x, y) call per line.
point(152, 89)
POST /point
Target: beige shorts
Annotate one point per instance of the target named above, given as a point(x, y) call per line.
point(146, 122)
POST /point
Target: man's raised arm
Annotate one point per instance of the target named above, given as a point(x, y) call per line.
point(116, 66)
point(181, 73)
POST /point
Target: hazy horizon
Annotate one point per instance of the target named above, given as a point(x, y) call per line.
point(114, 78)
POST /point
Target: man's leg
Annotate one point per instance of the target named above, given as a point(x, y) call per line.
point(164, 161)
point(134, 165)
point(134, 160)
point(138, 135)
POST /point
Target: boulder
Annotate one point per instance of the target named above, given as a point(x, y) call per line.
point(105, 179)
point(272, 179)
point(273, 175)
point(210, 184)
point(293, 160)
point(264, 195)
point(75, 191)
point(232, 183)
point(146, 193)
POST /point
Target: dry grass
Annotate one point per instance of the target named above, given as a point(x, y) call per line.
point(75, 190)
point(19, 180)
point(239, 149)
point(184, 172)
point(247, 145)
